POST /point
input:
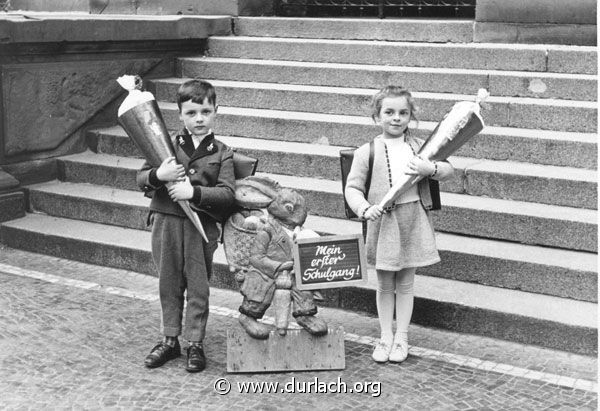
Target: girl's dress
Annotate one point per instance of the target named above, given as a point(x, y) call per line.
point(403, 237)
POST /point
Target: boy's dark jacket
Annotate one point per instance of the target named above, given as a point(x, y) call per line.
point(210, 170)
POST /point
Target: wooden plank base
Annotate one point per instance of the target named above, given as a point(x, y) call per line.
point(296, 351)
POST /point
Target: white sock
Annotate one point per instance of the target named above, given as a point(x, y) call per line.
point(405, 297)
point(385, 304)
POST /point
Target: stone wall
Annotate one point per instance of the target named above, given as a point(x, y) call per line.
point(165, 7)
point(58, 79)
point(536, 21)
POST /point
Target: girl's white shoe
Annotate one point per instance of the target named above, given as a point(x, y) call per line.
point(399, 351)
point(382, 351)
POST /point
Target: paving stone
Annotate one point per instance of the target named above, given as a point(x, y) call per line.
point(499, 354)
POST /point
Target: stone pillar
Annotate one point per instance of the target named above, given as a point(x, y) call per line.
point(12, 197)
point(536, 21)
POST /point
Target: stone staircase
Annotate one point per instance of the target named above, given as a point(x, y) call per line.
point(518, 229)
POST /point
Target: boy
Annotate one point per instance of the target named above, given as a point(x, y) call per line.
point(203, 168)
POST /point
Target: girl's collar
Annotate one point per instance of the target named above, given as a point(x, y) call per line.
point(405, 138)
point(409, 139)
point(401, 138)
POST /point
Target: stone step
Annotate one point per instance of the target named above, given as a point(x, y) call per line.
point(564, 273)
point(518, 316)
point(498, 263)
point(422, 30)
point(560, 186)
point(545, 114)
point(564, 186)
point(517, 221)
point(423, 79)
point(89, 202)
point(485, 56)
point(493, 143)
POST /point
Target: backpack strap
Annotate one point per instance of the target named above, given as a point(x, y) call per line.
point(370, 171)
point(368, 182)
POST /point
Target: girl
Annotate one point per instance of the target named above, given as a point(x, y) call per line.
point(399, 237)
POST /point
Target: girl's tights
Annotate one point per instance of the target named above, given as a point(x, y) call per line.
point(395, 288)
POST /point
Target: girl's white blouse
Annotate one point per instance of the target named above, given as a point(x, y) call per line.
point(400, 154)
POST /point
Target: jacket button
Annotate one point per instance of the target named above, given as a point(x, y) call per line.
point(192, 171)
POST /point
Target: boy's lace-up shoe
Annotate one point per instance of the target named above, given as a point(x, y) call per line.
point(196, 361)
point(161, 353)
point(399, 351)
point(382, 351)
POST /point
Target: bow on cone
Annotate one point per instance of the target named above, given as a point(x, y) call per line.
point(141, 119)
point(456, 128)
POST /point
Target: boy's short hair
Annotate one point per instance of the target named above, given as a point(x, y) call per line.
point(197, 91)
point(392, 91)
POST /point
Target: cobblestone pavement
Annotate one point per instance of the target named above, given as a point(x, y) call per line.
point(75, 335)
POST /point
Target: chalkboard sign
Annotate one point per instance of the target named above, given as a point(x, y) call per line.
point(330, 262)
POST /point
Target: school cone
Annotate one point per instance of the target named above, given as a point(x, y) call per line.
point(456, 128)
point(144, 124)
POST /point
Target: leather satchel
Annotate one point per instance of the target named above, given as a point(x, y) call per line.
point(243, 165)
point(346, 157)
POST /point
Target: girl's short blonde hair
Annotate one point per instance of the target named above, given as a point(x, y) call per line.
point(393, 91)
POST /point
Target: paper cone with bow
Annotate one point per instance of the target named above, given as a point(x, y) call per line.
point(143, 123)
point(456, 128)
